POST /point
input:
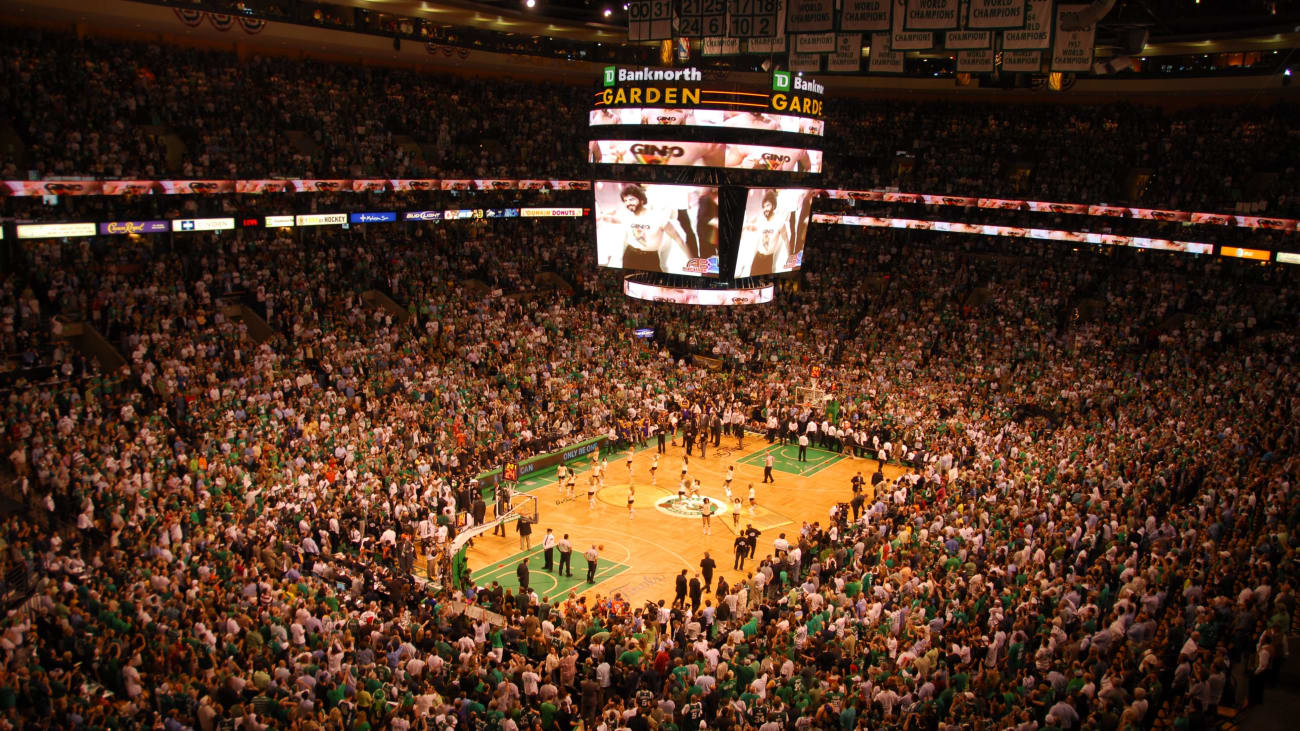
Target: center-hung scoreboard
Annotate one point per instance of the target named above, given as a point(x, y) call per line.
point(704, 177)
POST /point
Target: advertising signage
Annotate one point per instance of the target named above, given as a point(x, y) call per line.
point(385, 217)
point(203, 224)
point(322, 219)
point(134, 227)
point(54, 230)
point(422, 216)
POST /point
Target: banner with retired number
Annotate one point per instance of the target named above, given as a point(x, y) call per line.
point(905, 40)
point(815, 43)
point(995, 14)
point(805, 61)
point(809, 16)
point(931, 15)
point(883, 59)
point(870, 15)
point(1037, 33)
point(1031, 61)
point(975, 62)
point(1072, 49)
point(848, 53)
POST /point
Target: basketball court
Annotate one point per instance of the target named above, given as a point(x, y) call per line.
point(644, 551)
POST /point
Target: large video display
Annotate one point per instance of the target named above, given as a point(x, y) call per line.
point(774, 231)
point(704, 154)
point(706, 118)
point(657, 228)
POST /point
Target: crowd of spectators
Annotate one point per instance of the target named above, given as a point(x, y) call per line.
point(184, 113)
point(1097, 527)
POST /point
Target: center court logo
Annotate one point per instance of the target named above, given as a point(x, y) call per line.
point(780, 81)
point(611, 75)
point(688, 507)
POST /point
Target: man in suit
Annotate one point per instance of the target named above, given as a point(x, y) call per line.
point(566, 555)
point(706, 568)
point(681, 587)
point(548, 551)
point(521, 572)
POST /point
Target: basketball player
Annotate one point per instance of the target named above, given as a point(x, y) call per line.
point(764, 238)
point(650, 241)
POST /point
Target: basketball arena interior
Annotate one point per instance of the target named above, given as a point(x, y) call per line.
point(539, 365)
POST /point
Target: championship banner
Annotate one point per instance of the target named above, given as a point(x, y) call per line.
point(868, 15)
point(720, 47)
point(649, 20)
point(848, 53)
point(975, 62)
point(904, 40)
point(805, 61)
point(815, 43)
point(701, 18)
point(882, 58)
point(1072, 50)
point(765, 45)
point(1031, 61)
point(931, 15)
point(809, 16)
point(967, 39)
point(1037, 33)
point(995, 14)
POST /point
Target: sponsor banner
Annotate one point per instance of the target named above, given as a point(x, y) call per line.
point(1287, 257)
point(262, 186)
point(380, 217)
point(571, 184)
point(321, 219)
point(901, 39)
point(1221, 219)
point(203, 224)
point(814, 43)
point(882, 58)
point(975, 62)
point(407, 185)
point(809, 16)
point(1072, 50)
point(369, 186)
point(995, 14)
point(868, 15)
point(494, 184)
point(534, 184)
point(129, 187)
point(322, 186)
point(705, 297)
point(654, 152)
point(764, 157)
point(54, 230)
point(422, 216)
point(1240, 253)
point(1030, 61)
point(552, 212)
point(848, 53)
point(805, 61)
point(19, 188)
point(720, 47)
point(659, 116)
point(458, 185)
point(458, 214)
point(949, 200)
point(931, 14)
point(765, 45)
point(196, 187)
point(134, 227)
point(1037, 33)
point(1047, 234)
point(279, 222)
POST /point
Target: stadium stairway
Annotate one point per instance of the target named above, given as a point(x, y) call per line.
point(375, 298)
point(243, 310)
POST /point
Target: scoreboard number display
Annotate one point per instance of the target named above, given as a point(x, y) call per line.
point(753, 18)
point(700, 18)
point(649, 20)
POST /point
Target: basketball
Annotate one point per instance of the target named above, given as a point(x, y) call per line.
point(601, 547)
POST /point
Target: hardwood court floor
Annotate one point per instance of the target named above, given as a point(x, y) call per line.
point(653, 546)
